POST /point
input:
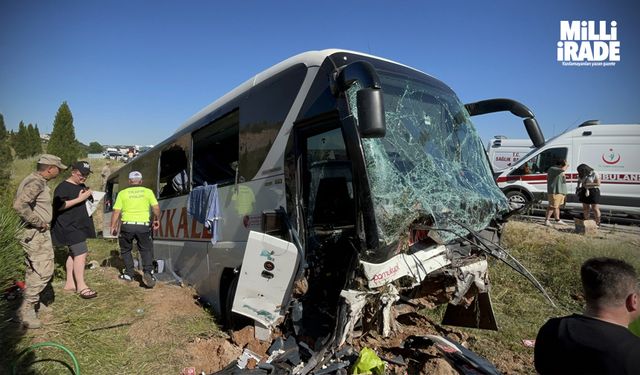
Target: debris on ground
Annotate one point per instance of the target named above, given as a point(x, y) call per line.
point(417, 345)
point(368, 362)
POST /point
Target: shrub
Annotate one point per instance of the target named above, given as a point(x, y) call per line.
point(11, 258)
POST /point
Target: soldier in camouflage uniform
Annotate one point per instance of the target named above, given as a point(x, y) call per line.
point(33, 205)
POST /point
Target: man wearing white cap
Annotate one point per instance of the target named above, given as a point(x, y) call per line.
point(33, 205)
point(134, 203)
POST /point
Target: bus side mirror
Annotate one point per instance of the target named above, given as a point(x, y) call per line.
point(371, 122)
point(371, 113)
point(534, 132)
point(516, 108)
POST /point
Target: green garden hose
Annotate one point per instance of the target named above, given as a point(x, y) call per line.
point(55, 345)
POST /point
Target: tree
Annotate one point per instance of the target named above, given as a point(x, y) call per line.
point(20, 142)
point(5, 157)
point(33, 143)
point(37, 141)
point(95, 148)
point(3, 130)
point(63, 141)
point(83, 150)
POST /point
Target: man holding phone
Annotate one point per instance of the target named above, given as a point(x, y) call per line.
point(72, 225)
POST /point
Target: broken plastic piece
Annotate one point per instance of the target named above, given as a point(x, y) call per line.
point(461, 358)
point(291, 353)
point(310, 352)
point(296, 316)
point(388, 299)
point(347, 350)
point(397, 360)
point(332, 368)
point(368, 362)
point(417, 266)
point(276, 345)
point(478, 315)
point(355, 301)
point(245, 357)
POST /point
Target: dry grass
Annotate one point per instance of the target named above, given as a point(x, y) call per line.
point(554, 258)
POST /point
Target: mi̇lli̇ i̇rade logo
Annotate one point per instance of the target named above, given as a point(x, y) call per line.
point(588, 43)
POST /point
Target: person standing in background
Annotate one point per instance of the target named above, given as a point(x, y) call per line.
point(33, 205)
point(556, 191)
point(72, 225)
point(588, 190)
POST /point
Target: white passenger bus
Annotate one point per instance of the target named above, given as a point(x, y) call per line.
point(338, 175)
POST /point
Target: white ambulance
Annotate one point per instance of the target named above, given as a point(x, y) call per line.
point(504, 152)
point(612, 150)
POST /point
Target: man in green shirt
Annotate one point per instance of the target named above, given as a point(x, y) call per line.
point(556, 191)
point(134, 203)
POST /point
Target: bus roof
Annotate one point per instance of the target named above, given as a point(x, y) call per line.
point(310, 58)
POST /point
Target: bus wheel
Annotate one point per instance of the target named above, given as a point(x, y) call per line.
point(517, 199)
point(230, 319)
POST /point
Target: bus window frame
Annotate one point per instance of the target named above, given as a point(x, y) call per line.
point(184, 143)
point(230, 121)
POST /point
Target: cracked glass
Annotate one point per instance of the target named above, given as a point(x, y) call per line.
point(430, 168)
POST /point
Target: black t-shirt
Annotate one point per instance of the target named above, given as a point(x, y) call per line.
point(72, 225)
point(578, 344)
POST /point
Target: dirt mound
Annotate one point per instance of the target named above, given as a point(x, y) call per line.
point(245, 338)
point(162, 305)
point(211, 355)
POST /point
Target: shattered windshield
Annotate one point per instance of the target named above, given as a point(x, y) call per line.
point(430, 167)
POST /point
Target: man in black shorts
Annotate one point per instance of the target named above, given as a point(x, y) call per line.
point(72, 225)
point(598, 341)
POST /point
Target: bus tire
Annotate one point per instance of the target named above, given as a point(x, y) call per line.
point(231, 320)
point(517, 198)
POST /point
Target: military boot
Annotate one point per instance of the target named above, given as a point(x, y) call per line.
point(44, 309)
point(28, 316)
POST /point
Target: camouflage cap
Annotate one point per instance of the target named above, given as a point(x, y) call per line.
point(49, 159)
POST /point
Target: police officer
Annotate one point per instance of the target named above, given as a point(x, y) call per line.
point(33, 205)
point(134, 203)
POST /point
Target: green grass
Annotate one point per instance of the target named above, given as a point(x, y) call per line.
point(117, 333)
point(554, 258)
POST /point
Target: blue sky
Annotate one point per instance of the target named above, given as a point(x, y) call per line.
point(133, 71)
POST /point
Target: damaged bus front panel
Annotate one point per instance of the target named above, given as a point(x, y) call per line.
point(399, 212)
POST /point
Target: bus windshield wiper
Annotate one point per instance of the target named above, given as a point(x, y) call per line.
point(500, 253)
